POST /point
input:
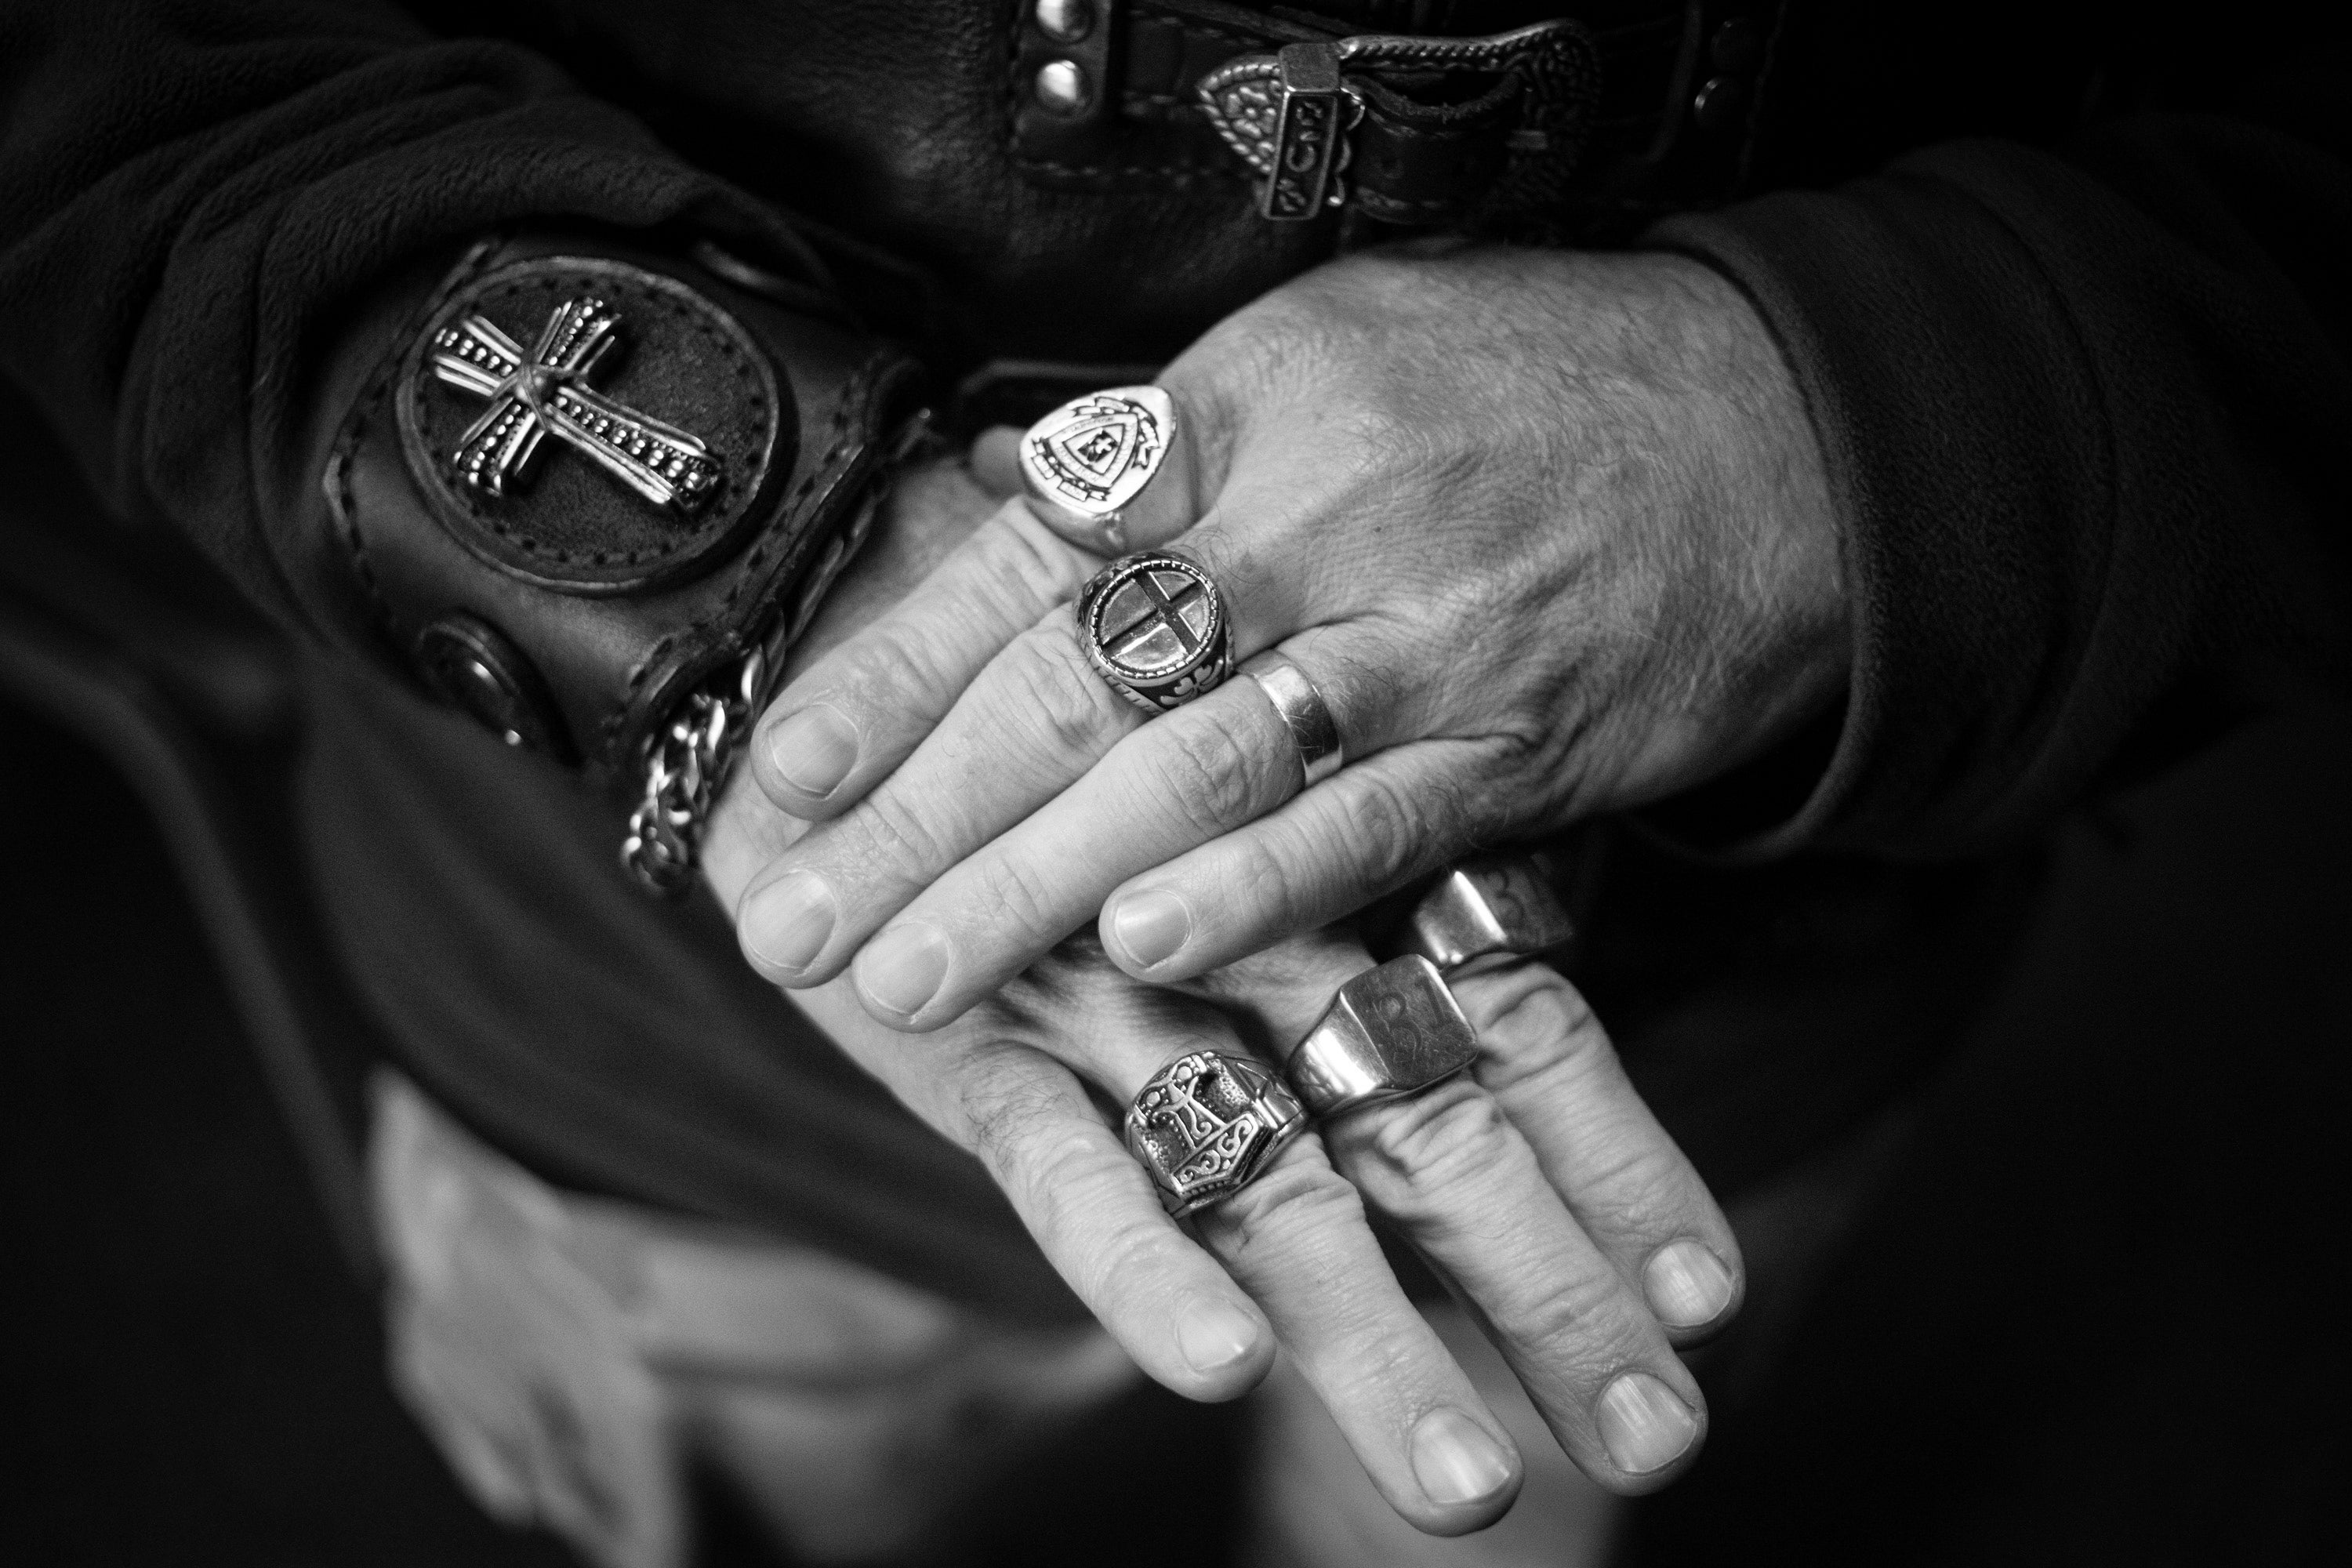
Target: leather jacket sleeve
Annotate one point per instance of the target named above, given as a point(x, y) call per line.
point(2081, 409)
point(221, 229)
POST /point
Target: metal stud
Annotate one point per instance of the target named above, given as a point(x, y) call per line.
point(1065, 21)
point(1062, 88)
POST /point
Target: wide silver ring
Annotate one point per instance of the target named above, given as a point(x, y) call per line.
point(1304, 713)
point(1207, 1125)
point(1485, 912)
point(1086, 464)
point(1391, 1032)
point(1154, 626)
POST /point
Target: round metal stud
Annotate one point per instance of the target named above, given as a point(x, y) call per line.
point(1062, 88)
point(1719, 102)
point(1065, 21)
point(473, 667)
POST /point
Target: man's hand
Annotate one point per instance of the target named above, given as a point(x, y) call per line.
point(1548, 531)
point(1539, 1185)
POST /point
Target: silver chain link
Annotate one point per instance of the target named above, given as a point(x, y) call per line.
point(685, 766)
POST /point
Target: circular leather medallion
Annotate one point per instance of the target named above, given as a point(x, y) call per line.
point(591, 427)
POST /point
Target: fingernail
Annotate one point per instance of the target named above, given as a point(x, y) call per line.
point(1688, 1285)
point(814, 750)
point(1214, 1334)
point(1455, 1461)
point(1150, 926)
point(902, 968)
point(1642, 1424)
point(786, 922)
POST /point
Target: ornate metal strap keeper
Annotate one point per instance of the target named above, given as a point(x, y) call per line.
point(1391, 1032)
point(1207, 1125)
point(1487, 912)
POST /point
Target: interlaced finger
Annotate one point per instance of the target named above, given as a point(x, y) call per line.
point(1455, 1169)
point(856, 713)
point(1375, 826)
point(1545, 1058)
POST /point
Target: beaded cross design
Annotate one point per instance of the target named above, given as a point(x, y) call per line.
point(548, 393)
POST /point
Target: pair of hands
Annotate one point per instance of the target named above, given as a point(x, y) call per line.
point(1549, 533)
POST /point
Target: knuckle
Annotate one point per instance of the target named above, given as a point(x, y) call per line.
point(1134, 1255)
point(1003, 1111)
point(1382, 824)
point(1428, 1154)
point(1017, 893)
point(1205, 773)
point(1022, 563)
point(1051, 695)
point(1579, 1323)
point(1274, 1216)
point(883, 670)
point(1541, 1035)
point(896, 833)
point(1262, 881)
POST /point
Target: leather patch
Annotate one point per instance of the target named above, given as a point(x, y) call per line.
point(593, 426)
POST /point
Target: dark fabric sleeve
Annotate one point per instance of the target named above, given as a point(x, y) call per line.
point(2084, 415)
point(195, 198)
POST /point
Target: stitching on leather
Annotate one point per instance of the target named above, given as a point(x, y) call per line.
point(1197, 29)
point(1177, 175)
point(345, 504)
point(852, 394)
point(550, 282)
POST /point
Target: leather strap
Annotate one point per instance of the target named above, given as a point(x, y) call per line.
point(561, 605)
point(1663, 111)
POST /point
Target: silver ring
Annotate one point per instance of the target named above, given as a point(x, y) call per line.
point(1304, 713)
point(1207, 1125)
point(1154, 626)
point(1391, 1032)
point(1085, 463)
point(1485, 912)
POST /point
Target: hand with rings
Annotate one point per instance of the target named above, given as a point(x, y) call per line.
point(1271, 1104)
point(1518, 535)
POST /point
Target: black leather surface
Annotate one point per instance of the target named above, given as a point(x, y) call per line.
point(616, 663)
point(905, 125)
point(569, 525)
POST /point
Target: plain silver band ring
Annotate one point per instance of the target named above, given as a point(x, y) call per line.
point(1304, 713)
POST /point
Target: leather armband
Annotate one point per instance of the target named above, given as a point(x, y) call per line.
point(591, 494)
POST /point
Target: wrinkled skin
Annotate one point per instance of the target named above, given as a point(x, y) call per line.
point(1550, 534)
point(1548, 531)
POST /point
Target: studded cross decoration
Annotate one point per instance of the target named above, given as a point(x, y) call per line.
point(548, 394)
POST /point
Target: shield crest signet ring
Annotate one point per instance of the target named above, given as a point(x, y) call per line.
point(1087, 464)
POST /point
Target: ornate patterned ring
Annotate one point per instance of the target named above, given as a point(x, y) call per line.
point(1207, 1125)
point(1154, 626)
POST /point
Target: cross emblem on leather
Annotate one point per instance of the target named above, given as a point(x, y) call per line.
point(548, 393)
